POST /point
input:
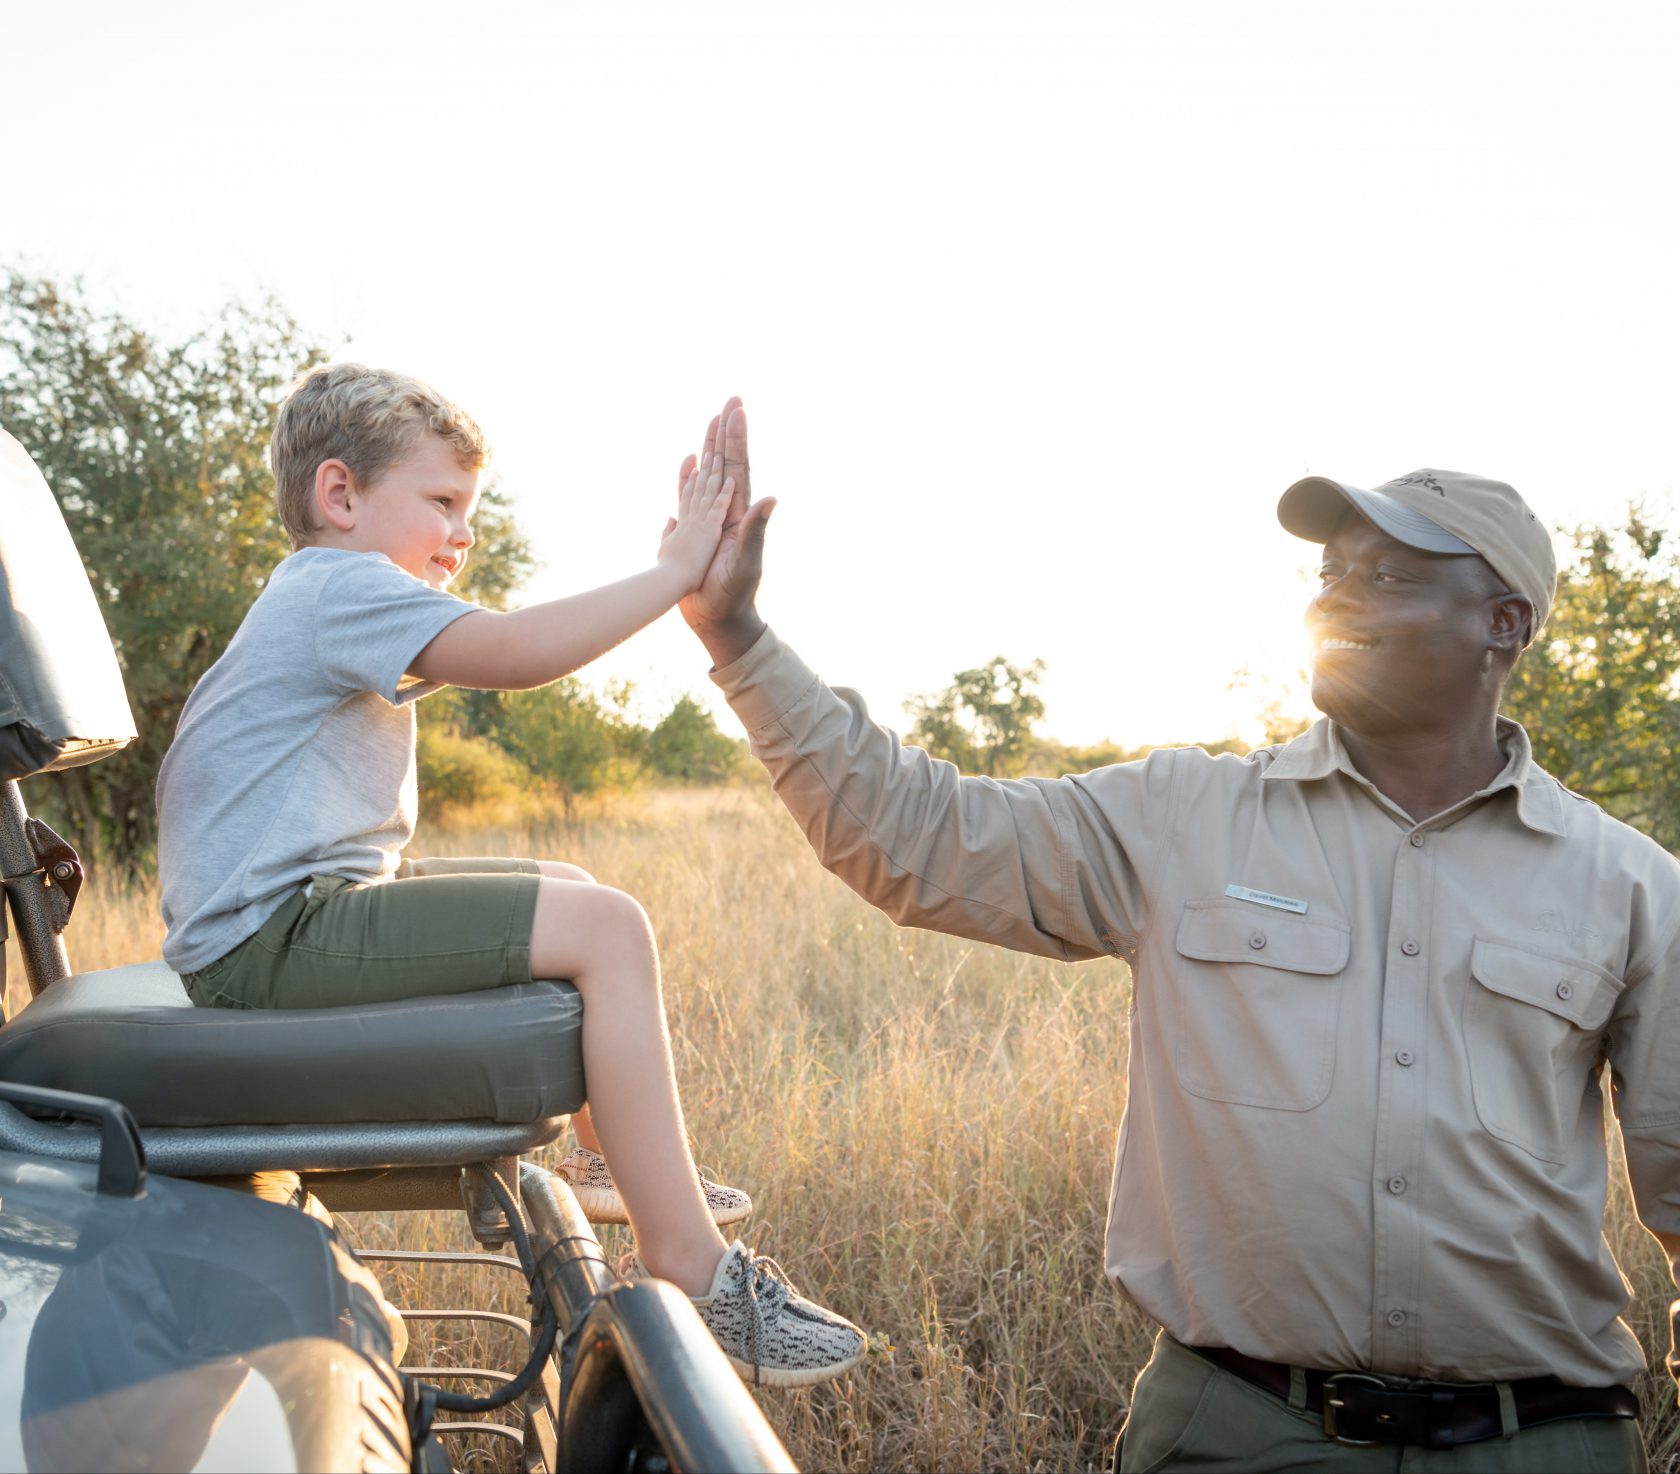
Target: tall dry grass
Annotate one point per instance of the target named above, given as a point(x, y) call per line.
point(926, 1127)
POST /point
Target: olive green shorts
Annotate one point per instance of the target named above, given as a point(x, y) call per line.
point(440, 926)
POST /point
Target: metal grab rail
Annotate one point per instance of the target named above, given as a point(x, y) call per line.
point(438, 1256)
point(495, 1430)
point(643, 1353)
point(490, 1317)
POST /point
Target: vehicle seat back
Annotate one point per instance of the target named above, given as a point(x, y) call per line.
point(62, 701)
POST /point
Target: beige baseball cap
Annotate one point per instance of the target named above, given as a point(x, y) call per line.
point(1442, 512)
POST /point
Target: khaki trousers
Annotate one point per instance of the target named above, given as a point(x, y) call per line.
point(1189, 1416)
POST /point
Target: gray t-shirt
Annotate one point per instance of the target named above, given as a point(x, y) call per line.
point(294, 756)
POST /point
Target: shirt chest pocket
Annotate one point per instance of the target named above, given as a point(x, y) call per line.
point(1257, 1000)
point(1533, 1029)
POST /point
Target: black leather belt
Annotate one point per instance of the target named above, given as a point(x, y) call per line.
point(1359, 1408)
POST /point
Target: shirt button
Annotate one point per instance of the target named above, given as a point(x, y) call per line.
point(1566, 989)
point(1397, 1185)
point(1257, 941)
point(1396, 1318)
point(1409, 947)
point(1403, 1056)
point(1417, 841)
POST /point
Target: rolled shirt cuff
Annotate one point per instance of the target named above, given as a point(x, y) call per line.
point(766, 683)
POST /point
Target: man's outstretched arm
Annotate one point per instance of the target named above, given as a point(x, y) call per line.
point(1034, 865)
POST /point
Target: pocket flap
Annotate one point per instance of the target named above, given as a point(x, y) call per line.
point(1577, 991)
point(1233, 931)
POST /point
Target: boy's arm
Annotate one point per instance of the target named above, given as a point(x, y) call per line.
point(543, 642)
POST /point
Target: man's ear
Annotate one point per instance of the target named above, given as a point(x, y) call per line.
point(335, 490)
point(1510, 619)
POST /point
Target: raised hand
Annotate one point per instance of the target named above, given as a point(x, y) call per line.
point(721, 610)
point(703, 502)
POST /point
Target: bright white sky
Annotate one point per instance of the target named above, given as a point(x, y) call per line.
point(1036, 307)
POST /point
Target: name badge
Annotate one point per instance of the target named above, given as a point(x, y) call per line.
point(1266, 898)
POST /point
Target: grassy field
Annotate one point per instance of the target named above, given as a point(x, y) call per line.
point(926, 1126)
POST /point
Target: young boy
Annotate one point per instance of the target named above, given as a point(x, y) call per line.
point(289, 793)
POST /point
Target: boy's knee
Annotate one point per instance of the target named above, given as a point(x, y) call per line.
point(600, 909)
point(560, 870)
point(586, 932)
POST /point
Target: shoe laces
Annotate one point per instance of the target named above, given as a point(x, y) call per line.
point(767, 1289)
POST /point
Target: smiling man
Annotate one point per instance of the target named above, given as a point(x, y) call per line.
point(1378, 974)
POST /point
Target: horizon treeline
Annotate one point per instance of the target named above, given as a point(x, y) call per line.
point(157, 454)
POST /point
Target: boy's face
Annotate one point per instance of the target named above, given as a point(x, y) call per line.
point(419, 513)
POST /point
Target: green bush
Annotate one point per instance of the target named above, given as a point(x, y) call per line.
point(566, 736)
point(459, 771)
point(687, 746)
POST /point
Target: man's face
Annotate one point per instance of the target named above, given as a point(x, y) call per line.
point(1399, 637)
point(419, 513)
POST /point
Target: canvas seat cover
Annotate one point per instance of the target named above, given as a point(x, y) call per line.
point(132, 1034)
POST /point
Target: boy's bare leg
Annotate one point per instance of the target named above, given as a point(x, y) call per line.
point(582, 1127)
point(600, 940)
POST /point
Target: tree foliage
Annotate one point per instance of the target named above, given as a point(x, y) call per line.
point(560, 743)
point(983, 721)
point(457, 770)
point(1598, 691)
point(157, 454)
point(575, 739)
point(687, 747)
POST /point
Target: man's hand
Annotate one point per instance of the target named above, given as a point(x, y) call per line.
point(721, 611)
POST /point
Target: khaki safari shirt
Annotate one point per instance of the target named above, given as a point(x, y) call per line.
point(1365, 1125)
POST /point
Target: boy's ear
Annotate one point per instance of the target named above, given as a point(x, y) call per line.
point(335, 487)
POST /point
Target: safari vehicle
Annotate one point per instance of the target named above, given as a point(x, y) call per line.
point(152, 1318)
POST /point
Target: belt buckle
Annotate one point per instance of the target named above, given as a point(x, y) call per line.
point(1333, 1404)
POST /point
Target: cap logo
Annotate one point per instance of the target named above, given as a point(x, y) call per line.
point(1422, 480)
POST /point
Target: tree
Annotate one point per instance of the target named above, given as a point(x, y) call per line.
point(983, 721)
point(1598, 691)
point(566, 735)
point(157, 454)
point(687, 746)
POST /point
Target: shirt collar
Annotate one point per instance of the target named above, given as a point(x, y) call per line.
point(1318, 752)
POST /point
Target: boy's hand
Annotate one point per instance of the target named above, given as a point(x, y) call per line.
point(721, 609)
point(691, 537)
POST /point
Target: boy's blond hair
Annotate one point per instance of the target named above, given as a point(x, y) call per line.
point(369, 419)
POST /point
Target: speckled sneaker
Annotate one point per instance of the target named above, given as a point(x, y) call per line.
point(597, 1193)
point(772, 1335)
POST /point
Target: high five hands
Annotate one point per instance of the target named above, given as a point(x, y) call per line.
point(721, 611)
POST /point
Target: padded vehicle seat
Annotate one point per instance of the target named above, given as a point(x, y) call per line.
point(512, 1055)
